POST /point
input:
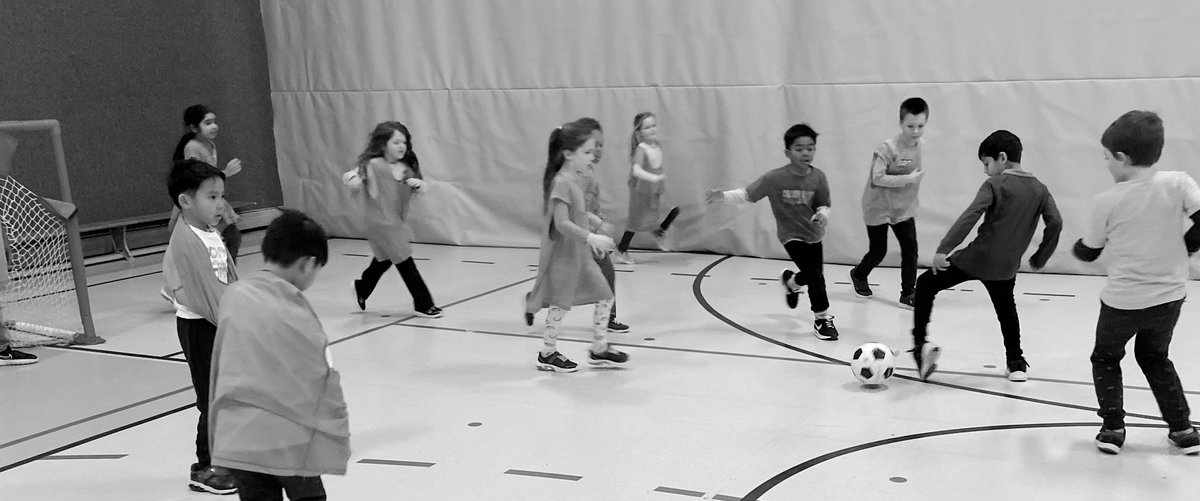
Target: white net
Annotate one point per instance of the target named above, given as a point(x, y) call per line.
point(39, 302)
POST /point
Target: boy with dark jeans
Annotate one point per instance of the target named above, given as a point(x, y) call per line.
point(1137, 224)
point(1011, 201)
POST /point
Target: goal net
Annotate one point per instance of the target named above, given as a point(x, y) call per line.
point(43, 285)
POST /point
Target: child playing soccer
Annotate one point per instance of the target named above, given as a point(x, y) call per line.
point(1011, 200)
point(278, 417)
point(198, 268)
point(646, 186)
point(799, 196)
point(890, 200)
point(1137, 225)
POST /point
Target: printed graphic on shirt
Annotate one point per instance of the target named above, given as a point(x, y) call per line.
point(797, 197)
point(219, 257)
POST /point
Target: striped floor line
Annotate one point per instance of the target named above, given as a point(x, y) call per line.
point(84, 456)
point(477, 262)
point(681, 492)
point(542, 474)
point(391, 462)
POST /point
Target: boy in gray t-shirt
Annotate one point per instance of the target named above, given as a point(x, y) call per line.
point(799, 196)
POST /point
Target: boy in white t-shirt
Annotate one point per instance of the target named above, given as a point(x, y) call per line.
point(1136, 224)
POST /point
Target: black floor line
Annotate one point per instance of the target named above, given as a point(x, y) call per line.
point(84, 456)
point(92, 417)
point(119, 353)
point(755, 494)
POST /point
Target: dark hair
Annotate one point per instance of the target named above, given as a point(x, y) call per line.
point(186, 176)
point(637, 125)
point(590, 123)
point(569, 137)
point(796, 132)
point(914, 106)
point(192, 117)
point(377, 142)
point(1001, 141)
point(294, 235)
point(1138, 134)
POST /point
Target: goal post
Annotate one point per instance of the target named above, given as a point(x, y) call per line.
point(43, 251)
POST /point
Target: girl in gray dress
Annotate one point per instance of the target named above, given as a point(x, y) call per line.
point(646, 187)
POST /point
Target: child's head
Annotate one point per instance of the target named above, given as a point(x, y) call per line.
point(201, 125)
point(645, 129)
point(914, 114)
point(999, 151)
point(1135, 139)
point(391, 141)
point(572, 146)
point(297, 246)
point(597, 134)
point(800, 143)
point(198, 189)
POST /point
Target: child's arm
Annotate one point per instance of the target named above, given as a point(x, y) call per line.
point(737, 196)
point(966, 221)
point(880, 177)
point(1191, 205)
point(562, 221)
point(1054, 223)
point(1088, 248)
point(821, 202)
point(640, 159)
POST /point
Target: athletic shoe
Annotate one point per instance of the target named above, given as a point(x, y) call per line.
point(927, 356)
point(617, 327)
point(610, 357)
point(1188, 442)
point(792, 296)
point(212, 479)
point(660, 240)
point(861, 288)
point(1110, 441)
point(430, 312)
point(13, 357)
point(622, 257)
point(1018, 371)
point(362, 301)
point(907, 299)
point(824, 330)
point(556, 362)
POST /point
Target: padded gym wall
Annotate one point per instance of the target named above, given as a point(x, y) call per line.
point(118, 76)
point(482, 83)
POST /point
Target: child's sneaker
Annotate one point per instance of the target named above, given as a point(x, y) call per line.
point(1110, 441)
point(212, 479)
point(907, 299)
point(622, 257)
point(430, 312)
point(13, 357)
point(660, 240)
point(617, 327)
point(610, 357)
point(556, 362)
point(1188, 442)
point(926, 356)
point(1018, 371)
point(861, 288)
point(824, 330)
point(358, 297)
point(792, 296)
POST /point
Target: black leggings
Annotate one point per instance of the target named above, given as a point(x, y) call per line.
point(422, 300)
point(810, 260)
point(623, 247)
point(906, 234)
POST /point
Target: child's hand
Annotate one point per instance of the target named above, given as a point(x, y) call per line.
point(820, 219)
point(1034, 265)
point(233, 167)
point(916, 175)
point(940, 263)
point(600, 243)
point(714, 196)
point(414, 183)
point(659, 177)
point(352, 180)
point(607, 228)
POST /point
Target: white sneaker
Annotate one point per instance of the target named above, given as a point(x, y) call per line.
point(622, 257)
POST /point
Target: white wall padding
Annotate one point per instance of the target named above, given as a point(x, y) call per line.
point(482, 83)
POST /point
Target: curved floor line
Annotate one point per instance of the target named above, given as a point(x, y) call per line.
point(755, 494)
point(708, 307)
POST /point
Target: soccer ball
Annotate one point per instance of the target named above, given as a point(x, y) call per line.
point(873, 363)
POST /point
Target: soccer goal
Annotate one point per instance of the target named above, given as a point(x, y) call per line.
point(43, 282)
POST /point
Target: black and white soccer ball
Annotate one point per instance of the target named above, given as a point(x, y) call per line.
point(873, 363)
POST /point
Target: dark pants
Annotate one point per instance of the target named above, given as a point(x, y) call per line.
point(1153, 328)
point(196, 337)
point(906, 234)
point(606, 268)
point(254, 486)
point(1001, 292)
point(810, 260)
point(627, 238)
point(422, 300)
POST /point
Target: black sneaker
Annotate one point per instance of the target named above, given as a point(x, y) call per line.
point(1188, 442)
point(1110, 441)
point(610, 357)
point(926, 356)
point(792, 296)
point(430, 312)
point(358, 297)
point(824, 329)
point(617, 327)
point(13, 357)
point(861, 288)
point(212, 479)
point(556, 362)
point(1018, 371)
point(907, 299)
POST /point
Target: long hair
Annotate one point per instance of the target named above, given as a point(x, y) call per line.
point(377, 143)
point(569, 137)
point(192, 117)
point(637, 127)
